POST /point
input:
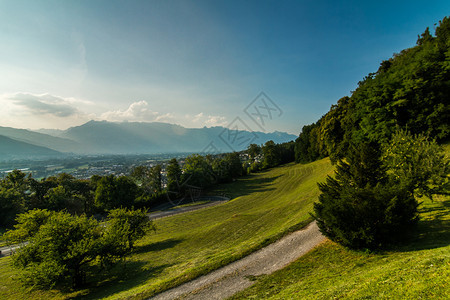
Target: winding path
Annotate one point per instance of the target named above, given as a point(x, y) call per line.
point(229, 280)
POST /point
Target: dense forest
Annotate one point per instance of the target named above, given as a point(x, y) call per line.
point(408, 91)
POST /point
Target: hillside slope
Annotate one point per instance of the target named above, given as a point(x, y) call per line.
point(265, 206)
point(12, 149)
point(40, 139)
point(417, 269)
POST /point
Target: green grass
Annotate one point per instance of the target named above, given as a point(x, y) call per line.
point(418, 269)
point(265, 206)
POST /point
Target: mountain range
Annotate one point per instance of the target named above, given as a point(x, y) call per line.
point(102, 137)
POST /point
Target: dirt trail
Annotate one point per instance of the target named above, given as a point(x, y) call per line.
point(229, 280)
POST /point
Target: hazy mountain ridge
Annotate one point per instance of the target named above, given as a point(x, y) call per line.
point(39, 139)
point(14, 149)
point(101, 137)
point(142, 137)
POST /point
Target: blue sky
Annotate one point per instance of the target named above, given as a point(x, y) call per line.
point(194, 63)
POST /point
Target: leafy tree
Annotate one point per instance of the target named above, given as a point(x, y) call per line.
point(173, 176)
point(306, 146)
point(286, 152)
point(197, 172)
point(271, 156)
point(253, 151)
point(62, 248)
point(114, 192)
point(131, 225)
point(13, 196)
point(408, 91)
point(59, 249)
point(148, 178)
point(234, 164)
point(228, 167)
point(418, 163)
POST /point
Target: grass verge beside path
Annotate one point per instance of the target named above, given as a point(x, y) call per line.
point(417, 270)
point(265, 206)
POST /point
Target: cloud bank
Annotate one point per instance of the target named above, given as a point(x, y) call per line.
point(141, 112)
point(45, 104)
point(27, 110)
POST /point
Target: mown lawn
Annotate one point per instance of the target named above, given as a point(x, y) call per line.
point(264, 207)
point(418, 269)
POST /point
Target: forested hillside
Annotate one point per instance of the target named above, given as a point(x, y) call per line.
point(409, 91)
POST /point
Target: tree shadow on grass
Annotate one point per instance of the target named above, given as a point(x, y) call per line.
point(433, 231)
point(166, 244)
point(245, 186)
point(122, 277)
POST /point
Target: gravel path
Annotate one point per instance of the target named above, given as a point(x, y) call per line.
point(228, 280)
point(215, 200)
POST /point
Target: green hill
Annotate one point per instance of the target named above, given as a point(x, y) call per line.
point(265, 206)
point(418, 269)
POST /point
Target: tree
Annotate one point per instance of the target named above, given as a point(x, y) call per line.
point(270, 153)
point(253, 151)
point(408, 91)
point(361, 207)
point(148, 178)
point(227, 168)
point(13, 196)
point(62, 248)
point(131, 225)
point(197, 172)
point(173, 176)
point(417, 162)
point(114, 192)
point(234, 164)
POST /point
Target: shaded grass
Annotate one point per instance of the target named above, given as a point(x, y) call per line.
point(419, 269)
point(265, 206)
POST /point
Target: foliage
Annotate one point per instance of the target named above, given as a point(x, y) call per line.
point(409, 91)
point(173, 176)
point(253, 151)
point(416, 270)
point(361, 207)
point(58, 248)
point(112, 192)
point(13, 196)
point(131, 225)
point(228, 168)
point(418, 163)
point(197, 172)
point(148, 178)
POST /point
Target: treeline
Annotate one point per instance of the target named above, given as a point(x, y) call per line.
point(409, 91)
point(143, 188)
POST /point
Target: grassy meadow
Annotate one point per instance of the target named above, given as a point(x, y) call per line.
point(417, 269)
point(264, 207)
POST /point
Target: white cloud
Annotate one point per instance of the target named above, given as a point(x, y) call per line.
point(207, 120)
point(27, 110)
point(140, 112)
point(216, 121)
point(45, 104)
point(137, 111)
